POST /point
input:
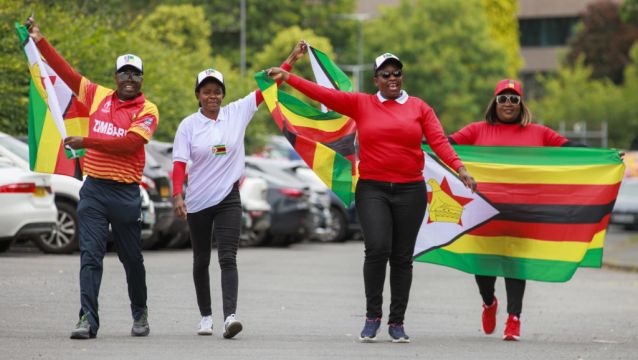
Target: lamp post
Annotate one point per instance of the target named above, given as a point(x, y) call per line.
point(242, 37)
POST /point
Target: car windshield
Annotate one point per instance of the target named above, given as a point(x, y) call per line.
point(15, 146)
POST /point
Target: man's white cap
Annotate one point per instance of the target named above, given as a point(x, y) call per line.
point(383, 58)
point(129, 60)
point(210, 73)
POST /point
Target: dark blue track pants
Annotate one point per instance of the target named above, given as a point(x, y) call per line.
point(104, 202)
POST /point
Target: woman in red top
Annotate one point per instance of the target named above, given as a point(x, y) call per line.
point(507, 123)
point(390, 195)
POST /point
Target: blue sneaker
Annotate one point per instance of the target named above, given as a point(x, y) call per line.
point(397, 333)
point(370, 330)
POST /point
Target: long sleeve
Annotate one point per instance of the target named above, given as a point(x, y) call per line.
point(438, 141)
point(128, 144)
point(179, 173)
point(64, 70)
point(344, 103)
point(259, 96)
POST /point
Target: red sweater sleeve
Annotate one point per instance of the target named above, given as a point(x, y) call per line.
point(124, 145)
point(465, 136)
point(179, 173)
point(67, 73)
point(438, 141)
point(259, 95)
point(343, 102)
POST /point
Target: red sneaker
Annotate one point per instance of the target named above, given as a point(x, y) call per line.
point(512, 328)
point(489, 317)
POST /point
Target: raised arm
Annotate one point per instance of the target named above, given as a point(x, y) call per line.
point(297, 53)
point(61, 67)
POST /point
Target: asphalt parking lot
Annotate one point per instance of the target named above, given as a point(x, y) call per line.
point(306, 302)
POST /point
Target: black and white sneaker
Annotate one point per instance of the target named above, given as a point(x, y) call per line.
point(232, 326)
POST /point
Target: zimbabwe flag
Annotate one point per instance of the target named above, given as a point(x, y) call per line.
point(54, 113)
point(539, 212)
point(324, 140)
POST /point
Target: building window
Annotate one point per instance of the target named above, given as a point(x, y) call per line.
point(547, 31)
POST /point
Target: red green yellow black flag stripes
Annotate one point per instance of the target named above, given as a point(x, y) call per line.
point(545, 211)
point(54, 113)
point(324, 140)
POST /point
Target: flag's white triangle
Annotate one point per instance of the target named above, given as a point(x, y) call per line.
point(453, 210)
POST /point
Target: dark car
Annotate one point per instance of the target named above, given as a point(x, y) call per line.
point(288, 198)
point(177, 236)
point(344, 223)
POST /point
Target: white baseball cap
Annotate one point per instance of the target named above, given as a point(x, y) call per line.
point(129, 60)
point(383, 58)
point(210, 73)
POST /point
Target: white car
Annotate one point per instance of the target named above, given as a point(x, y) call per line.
point(63, 238)
point(28, 209)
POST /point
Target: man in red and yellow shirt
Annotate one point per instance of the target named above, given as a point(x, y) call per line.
point(121, 121)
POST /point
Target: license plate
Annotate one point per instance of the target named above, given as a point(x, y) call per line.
point(39, 192)
point(164, 191)
point(623, 218)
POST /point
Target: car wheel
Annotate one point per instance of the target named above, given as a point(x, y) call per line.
point(339, 227)
point(5, 245)
point(64, 238)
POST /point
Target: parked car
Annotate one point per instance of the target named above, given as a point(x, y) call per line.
point(256, 218)
point(345, 223)
point(156, 182)
point(28, 209)
point(288, 198)
point(177, 236)
point(63, 239)
point(625, 211)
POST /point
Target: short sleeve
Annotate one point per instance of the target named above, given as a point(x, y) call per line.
point(181, 143)
point(146, 121)
point(243, 109)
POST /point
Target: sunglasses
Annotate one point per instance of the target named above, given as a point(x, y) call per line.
point(125, 75)
point(387, 74)
point(513, 99)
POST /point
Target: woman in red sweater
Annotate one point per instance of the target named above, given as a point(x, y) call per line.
point(507, 123)
point(391, 194)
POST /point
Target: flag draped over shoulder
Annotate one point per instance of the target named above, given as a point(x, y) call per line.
point(539, 212)
point(54, 113)
point(324, 140)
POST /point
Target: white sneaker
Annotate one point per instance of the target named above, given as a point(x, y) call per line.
point(206, 326)
point(232, 326)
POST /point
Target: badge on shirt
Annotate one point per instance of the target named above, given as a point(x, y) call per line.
point(218, 150)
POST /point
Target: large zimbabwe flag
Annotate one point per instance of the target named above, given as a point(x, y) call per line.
point(54, 113)
point(324, 140)
point(539, 213)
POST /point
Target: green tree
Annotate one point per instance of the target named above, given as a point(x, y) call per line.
point(503, 27)
point(571, 96)
point(604, 39)
point(264, 19)
point(449, 58)
point(85, 40)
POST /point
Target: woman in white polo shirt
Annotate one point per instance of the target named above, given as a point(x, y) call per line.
point(213, 140)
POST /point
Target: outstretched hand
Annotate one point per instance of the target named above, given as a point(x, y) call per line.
point(34, 29)
point(277, 74)
point(298, 52)
point(467, 179)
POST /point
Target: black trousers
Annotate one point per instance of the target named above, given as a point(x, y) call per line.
point(515, 289)
point(104, 202)
point(226, 216)
point(390, 215)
